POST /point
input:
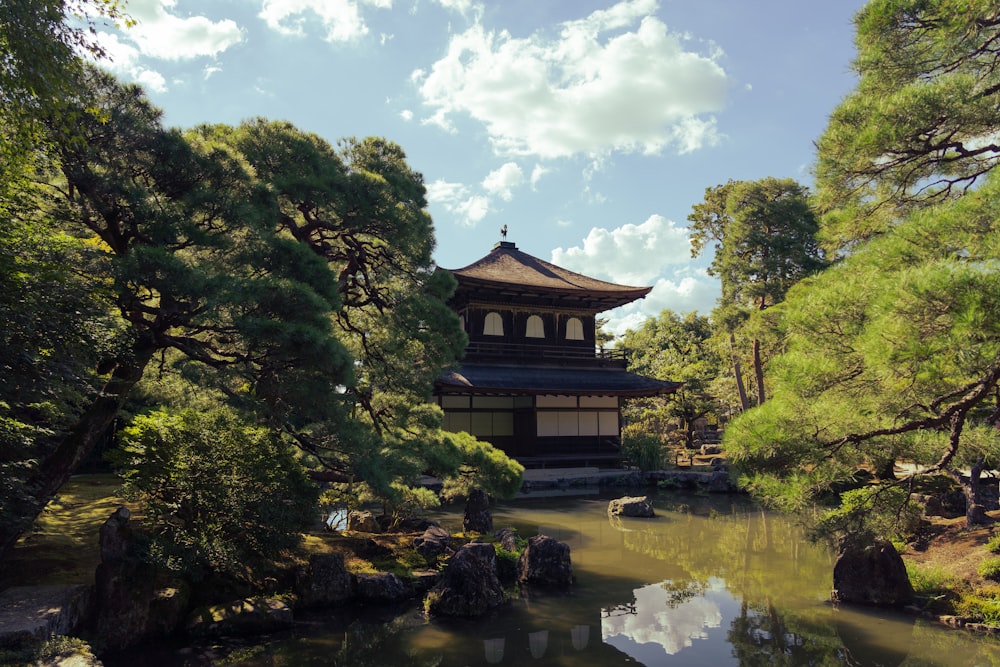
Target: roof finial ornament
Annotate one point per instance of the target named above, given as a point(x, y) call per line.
point(503, 233)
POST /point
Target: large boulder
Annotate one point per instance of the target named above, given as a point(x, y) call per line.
point(545, 562)
point(478, 514)
point(433, 542)
point(380, 587)
point(362, 521)
point(167, 609)
point(635, 506)
point(115, 536)
point(469, 585)
point(124, 586)
point(325, 581)
point(871, 573)
point(241, 617)
point(32, 613)
point(506, 538)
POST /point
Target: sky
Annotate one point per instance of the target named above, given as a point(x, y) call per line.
point(589, 128)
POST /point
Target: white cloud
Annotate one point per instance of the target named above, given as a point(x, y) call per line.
point(536, 175)
point(473, 209)
point(630, 254)
point(501, 182)
point(657, 253)
point(210, 70)
point(686, 290)
point(341, 19)
point(125, 60)
point(406, 115)
point(464, 7)
point(455, 198)
point(603, 84)
point(151, 80)
point(160, 34)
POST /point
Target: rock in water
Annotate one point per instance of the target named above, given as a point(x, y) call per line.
point(325, 581)
point(872, 574)
point(478, 515)
point(635, 506)
point(545, 562)
point(380, 587)
point(469, 585)
point(433, 542)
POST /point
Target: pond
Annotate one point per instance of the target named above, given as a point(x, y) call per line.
point(710, 581)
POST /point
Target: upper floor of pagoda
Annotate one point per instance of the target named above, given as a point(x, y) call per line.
point(515, 306)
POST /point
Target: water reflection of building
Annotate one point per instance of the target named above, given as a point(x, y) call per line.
point(538, 643)
point(534, 381)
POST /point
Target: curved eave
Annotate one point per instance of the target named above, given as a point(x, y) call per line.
point(493, 291)
point(536, 381)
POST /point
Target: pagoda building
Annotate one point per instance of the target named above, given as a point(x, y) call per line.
point(533, 381)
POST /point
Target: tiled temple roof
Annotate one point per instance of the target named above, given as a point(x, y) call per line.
point(508, 270)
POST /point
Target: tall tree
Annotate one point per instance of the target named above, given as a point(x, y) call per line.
point(764, 236)
point(363, 210)
point(892, 353)
point(921, 125)
point(193, 267)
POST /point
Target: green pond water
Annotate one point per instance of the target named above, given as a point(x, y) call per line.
point(710, 581)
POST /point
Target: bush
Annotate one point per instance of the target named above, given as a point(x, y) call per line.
point(993, 544)
point(990, 569)
point(982, 605)
point(219, 495)
point(643, 450)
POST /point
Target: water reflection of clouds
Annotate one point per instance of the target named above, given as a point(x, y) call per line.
point(656, 619)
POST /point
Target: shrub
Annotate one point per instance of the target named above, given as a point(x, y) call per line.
point(219, 495)
point(993, 544)
point(643, 450)
point(990, 569)
point(982, 605)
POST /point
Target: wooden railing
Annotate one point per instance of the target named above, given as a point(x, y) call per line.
point(553, 352)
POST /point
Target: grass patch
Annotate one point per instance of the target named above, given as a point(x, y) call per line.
point(935, 587)
point(62, 546)
point(45, 652)
point(993, 544)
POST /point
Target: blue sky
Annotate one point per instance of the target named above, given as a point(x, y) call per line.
point(589, 128)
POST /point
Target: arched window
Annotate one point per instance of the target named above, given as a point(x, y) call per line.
point(536, 328)
point(493, 325)
point(574, 329)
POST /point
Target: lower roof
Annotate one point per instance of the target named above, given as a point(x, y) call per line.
point(537, 380)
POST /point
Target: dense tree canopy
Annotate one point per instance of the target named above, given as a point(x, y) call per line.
point(921, 125)
point(677, 348)
point(257, 264)
point(893, 353)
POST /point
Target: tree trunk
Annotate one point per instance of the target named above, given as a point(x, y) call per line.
point(887, 471)
point(758, 371)
point(975, 512)
point(738, 372)
point(71, 451)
